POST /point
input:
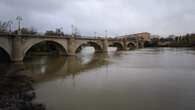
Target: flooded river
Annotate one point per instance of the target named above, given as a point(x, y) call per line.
point(143, 79)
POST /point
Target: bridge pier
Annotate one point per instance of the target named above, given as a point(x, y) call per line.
point(71, 47)
point(105, 46)
point(141, 45)
point(17, 55)
point(125, 43)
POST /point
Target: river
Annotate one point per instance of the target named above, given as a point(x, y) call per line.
point(142, 79)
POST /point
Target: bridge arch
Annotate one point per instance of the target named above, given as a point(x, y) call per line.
point(5, 46)
point(95, 45)
point(131, 45)
point(4, 54)
point(53, 44)
point(118, 45)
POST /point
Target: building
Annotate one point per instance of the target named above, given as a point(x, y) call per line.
point(145, 36)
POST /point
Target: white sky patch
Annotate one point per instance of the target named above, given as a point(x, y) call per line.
point(119, 17)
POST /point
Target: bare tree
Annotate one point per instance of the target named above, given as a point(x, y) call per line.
point(4, 27)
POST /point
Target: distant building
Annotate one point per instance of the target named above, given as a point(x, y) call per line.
point(145, 36)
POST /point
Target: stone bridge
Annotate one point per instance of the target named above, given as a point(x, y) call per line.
point(16, 46)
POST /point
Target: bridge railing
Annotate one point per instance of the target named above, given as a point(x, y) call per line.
point(31, 35)
point(61, 37)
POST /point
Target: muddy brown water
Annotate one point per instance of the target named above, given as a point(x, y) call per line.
point(143, 79)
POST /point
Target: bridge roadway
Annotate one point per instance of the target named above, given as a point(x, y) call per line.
point(16, 46)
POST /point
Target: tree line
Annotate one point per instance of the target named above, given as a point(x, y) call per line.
point(187, 40)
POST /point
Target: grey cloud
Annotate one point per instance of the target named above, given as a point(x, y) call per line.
point(117, 16)
point(35, 5)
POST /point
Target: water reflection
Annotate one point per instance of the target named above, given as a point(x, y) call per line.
point(145, 79)
point(51, 67)
point(86, 55)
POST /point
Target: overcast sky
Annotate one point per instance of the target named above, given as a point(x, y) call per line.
point(119, 17)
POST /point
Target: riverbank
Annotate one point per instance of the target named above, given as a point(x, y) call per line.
point(16, 91)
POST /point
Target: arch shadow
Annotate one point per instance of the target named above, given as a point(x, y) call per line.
point(131, 45)
point(119, 46)
point(95, 45)
point(45, 48)
point(4, 55)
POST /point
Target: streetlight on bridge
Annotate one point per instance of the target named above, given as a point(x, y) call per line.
point(95, 34)
point(61, 31)
point(106, 33)
point(10, 26)
point(72, 29)
point(19, 18)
